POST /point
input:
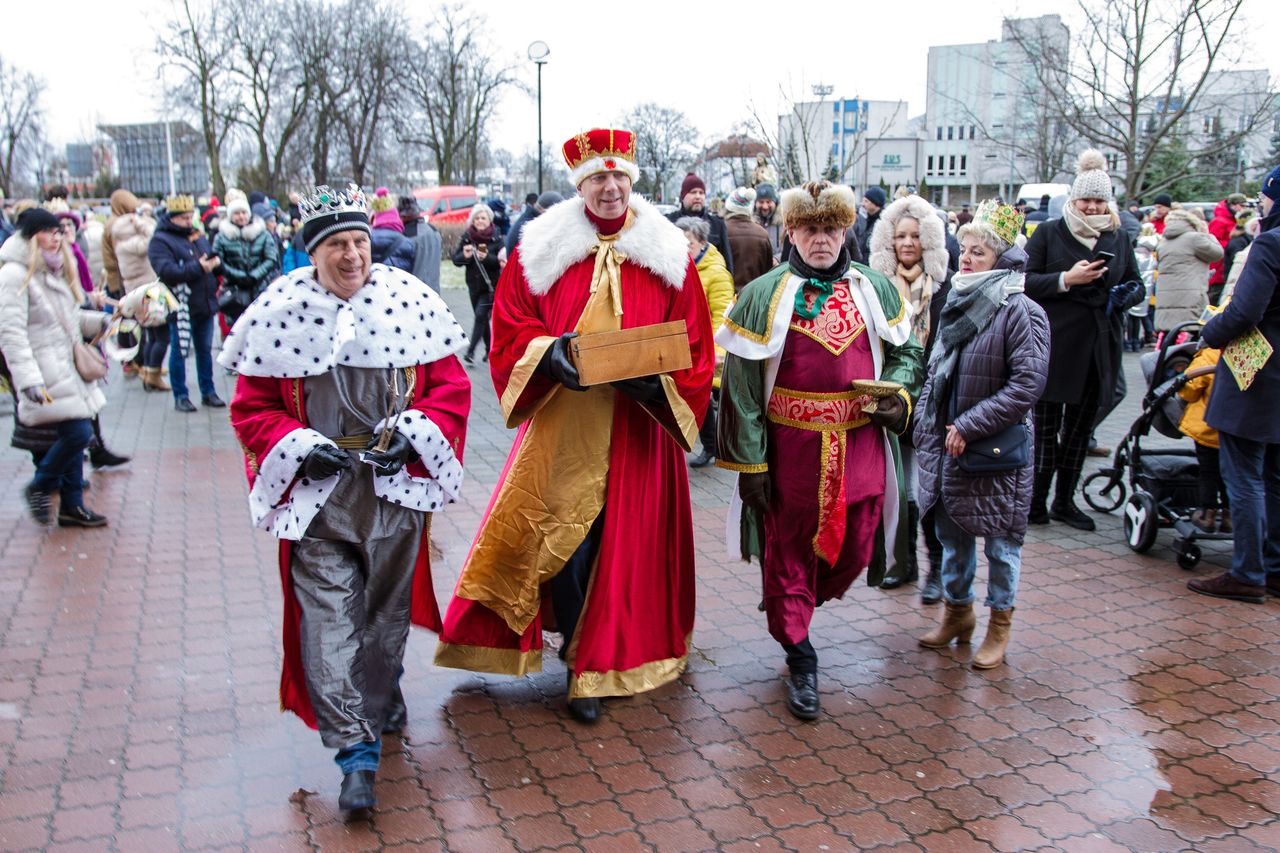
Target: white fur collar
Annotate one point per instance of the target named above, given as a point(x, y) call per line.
point(250, 232)
point(563, 235)
point(296, 328)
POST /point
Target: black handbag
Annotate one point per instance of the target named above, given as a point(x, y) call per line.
point(1007, 450)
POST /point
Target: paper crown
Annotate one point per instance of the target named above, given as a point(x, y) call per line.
point(601, 150)
point(179, 204)
point(1002, 219)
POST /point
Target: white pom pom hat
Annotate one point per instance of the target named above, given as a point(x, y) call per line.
point(1092, 180)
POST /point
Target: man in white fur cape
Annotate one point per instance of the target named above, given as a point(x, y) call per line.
point(351, 407)
point(592, 516)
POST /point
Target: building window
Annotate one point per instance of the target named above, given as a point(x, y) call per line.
point(939, 132)
point(997, 94)
point(964, 163)
point(951, 167)
point(990, 156)
point(930, 169)
point(951, 131)
point(973, 130)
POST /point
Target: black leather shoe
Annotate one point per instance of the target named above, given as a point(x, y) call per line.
point(37, 503)
point(931, 592)
point(182, 404)
point(213, 402)
point(1071, 515)
point(397, 714)
point(802, 695)
point(357, 791)
point(79, 516)
point(583, 710)
point(100, 457)
point(701, 460)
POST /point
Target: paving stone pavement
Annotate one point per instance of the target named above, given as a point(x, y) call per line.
point(139, 667)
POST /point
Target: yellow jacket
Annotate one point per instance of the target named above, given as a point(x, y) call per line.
point(717, 281)
point(1196, 393)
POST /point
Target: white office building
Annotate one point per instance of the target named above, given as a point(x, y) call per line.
point(829, 139)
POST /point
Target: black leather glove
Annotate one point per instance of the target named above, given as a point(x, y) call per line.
point(755, 490)
point(557, 365)
point(398, 454)
point(642, 389)
point(324, 461)
point(889, 413)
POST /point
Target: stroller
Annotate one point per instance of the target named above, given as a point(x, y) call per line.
point(1162, 483)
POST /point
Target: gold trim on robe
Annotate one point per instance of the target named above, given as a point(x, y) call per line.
point(628, 682)
point(486, 659)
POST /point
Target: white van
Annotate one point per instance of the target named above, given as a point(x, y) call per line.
point(1031, 193)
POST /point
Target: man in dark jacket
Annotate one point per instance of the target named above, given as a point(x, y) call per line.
point(1248, 421)
point(531, 212)
point(873, 201)
point(184, 261)
point(749, 241)
point(693, 202)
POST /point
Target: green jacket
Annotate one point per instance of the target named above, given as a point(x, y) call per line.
point(753, 335)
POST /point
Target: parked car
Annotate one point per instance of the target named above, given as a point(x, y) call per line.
point(446, 204)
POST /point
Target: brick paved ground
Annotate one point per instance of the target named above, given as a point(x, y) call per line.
point(138, 671)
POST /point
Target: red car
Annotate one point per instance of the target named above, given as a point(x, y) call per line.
point(447, 204)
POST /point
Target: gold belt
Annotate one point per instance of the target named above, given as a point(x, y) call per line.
point(811, 410)
point(353, 442)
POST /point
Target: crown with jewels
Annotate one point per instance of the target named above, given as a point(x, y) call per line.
point(326, 201)
point(1004, 219)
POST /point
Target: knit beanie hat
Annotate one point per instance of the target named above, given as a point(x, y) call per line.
point(1091, 180)
point(549, 199)
point(740, 202)
point(34, 220)
point(1271, 185)
point(1163, 198)
point(237, 201)
point(263, 211)
point(876, 196)
point(382, 200)
point(767, 192)
point(1237, 198)
point(691, 182)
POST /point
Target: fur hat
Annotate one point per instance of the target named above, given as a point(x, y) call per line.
point(819, 203)
point(933, 245)
point(236, 201)
point(382, 200)
point(177, 204)
point(1092, 180)
point(740, 202)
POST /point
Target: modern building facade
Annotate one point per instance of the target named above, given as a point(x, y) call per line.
point(158, 158)
point(828, 138)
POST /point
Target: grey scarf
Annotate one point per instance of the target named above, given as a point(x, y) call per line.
point(970, 307)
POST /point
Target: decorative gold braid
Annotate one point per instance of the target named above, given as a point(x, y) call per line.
point(742, 468)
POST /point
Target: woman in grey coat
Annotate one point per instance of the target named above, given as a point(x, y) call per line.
point(988, 367)
point(1182, 285)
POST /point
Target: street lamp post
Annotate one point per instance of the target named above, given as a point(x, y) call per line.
point(538, 52)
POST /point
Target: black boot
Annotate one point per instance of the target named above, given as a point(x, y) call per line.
point(397, 713)
point(912, 573)
point(583, 710)
point(1040, 498)
point(802, 695)
point(357, 791)
point(931, 592)
point(1064, 507)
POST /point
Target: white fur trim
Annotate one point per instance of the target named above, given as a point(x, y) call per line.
point(587, 168)
point(563, 235)
point(249, 233)
point(276, 472)
point(296, 328)
point(933, 244)
point(426, 494)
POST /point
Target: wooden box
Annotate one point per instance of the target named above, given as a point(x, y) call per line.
point(628, 353)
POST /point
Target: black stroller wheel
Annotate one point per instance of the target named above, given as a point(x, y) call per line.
point(1103, 491)
point(1189, 556)
point(1141, 522)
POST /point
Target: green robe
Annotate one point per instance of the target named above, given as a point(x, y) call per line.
point(754, 334)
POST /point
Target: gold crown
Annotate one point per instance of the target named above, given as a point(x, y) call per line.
point(1004, 219)
point(180, 204)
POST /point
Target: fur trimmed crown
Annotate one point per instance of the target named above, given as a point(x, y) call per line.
point(601, 150)
point(819, 203)
point(324, 201)
point(1003, 219)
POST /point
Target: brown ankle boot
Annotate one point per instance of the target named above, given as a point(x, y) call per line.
point(153, 380)
point(957, 624)
point(991, 652)
point(1204, 520)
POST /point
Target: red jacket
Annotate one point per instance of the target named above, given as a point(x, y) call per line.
point(1223, 221)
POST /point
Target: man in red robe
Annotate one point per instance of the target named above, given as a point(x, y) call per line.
point(351, 408)
point(590, 526)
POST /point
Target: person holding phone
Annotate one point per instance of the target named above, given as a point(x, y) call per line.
point(1072, 265)
point(478, 252)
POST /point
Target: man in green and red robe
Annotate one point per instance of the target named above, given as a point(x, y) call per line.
point(820, 488)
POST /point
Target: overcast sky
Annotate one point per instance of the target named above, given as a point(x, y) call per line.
point(711, 59)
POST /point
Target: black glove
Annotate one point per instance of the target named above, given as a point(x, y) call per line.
point(557, 365)
point(889, 412)
point(399, 453)
point(324, 461)
point(642, 389)
point(755, 489)
point(1124, 296)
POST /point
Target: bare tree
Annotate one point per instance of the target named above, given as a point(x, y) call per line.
point(193, 44)
point(454, 83)
point(20, 122)
point(1135, 72)
point(372, 60)
point(666, 143)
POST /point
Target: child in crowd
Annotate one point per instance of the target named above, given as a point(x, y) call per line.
point(1140, 328)
point(1214, 512)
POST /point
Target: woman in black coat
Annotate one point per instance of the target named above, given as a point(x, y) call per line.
point(478, 252)
point(1072, 265)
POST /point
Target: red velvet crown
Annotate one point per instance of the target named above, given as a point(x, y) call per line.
point(601, 150)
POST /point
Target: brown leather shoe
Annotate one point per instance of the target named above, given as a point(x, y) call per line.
point(1226, 586)
point(957, 624)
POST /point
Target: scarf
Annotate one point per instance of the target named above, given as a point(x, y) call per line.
point(821, 282)
point(970, 307)
point(52, 260)
point(916, 288)
point(1087, 229)
point(477, 235)
point(182, 292)
point(607, 227)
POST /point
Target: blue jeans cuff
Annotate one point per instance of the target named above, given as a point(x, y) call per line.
point(365, 755)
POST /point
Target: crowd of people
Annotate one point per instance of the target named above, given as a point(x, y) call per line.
point(870, 369)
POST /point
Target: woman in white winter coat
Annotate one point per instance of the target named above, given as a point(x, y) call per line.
point(1182, 283)
point(40, 320)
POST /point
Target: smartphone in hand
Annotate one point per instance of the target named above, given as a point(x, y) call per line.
point(1105, 257)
